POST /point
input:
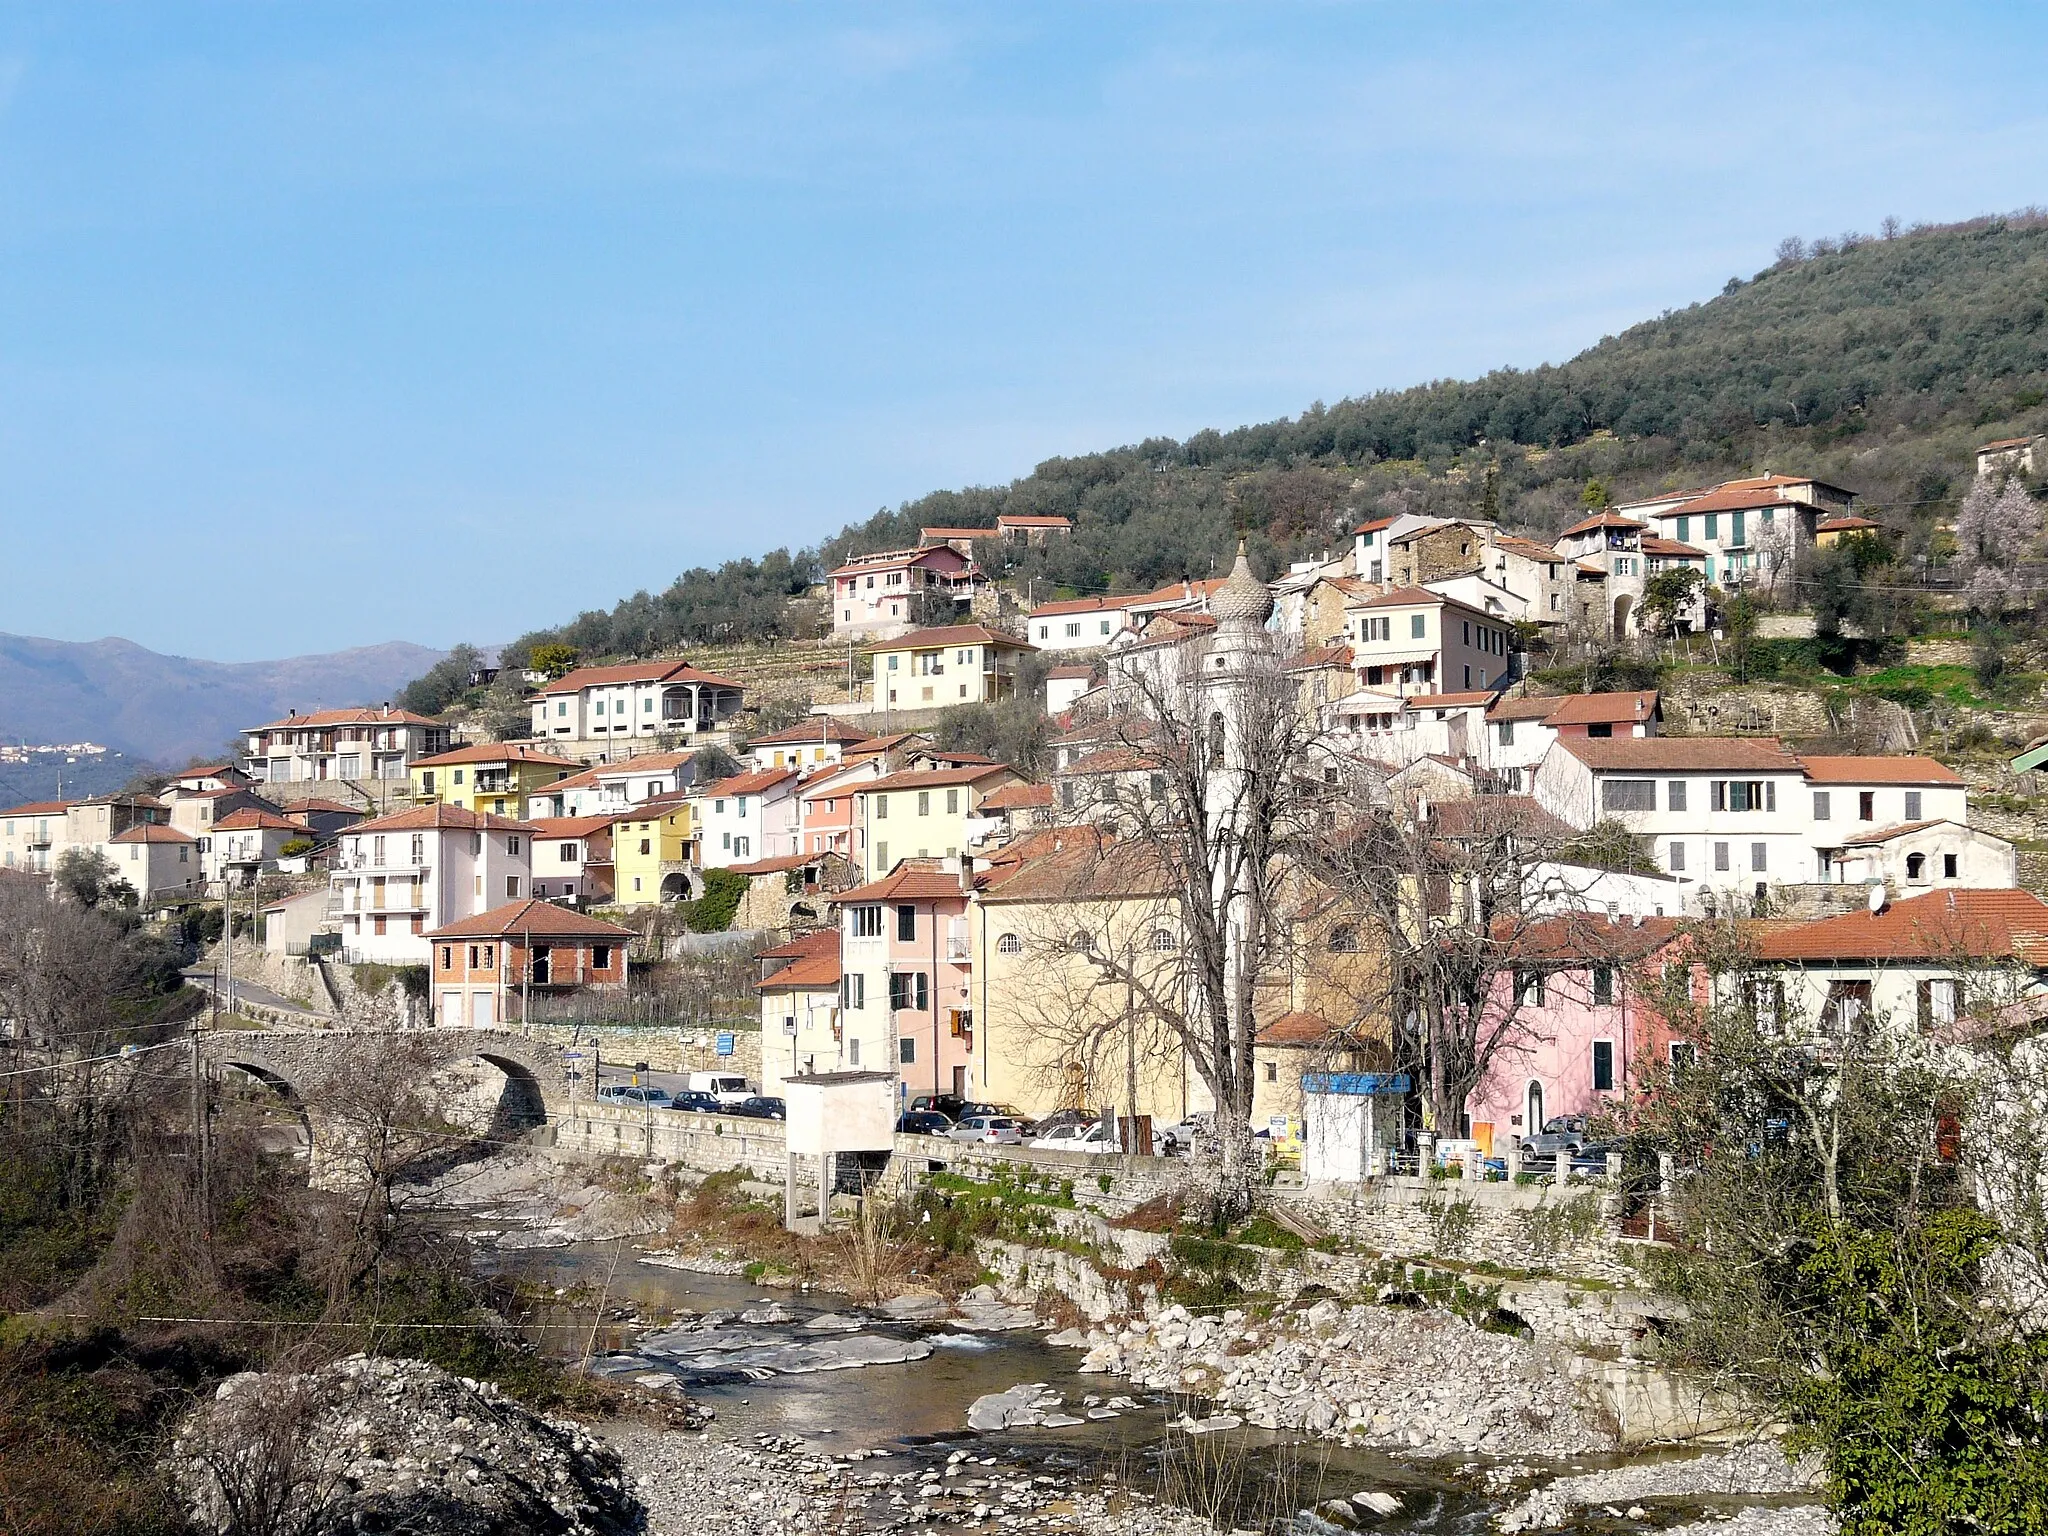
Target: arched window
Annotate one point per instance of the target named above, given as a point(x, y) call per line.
point(1344, 939)
point(1916, 866)
point(1163, 940)
point(1009, 944)
point(1534, 1122)
point(1216, 735)
point(1081, 941)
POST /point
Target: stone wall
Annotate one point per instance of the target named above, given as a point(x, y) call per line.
point(1517, 1226)
point(701, 1143)
point(664, 1047)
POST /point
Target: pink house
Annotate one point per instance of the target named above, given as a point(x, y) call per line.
point(881, 594)
point(904, 976)
point(1583, 992)
point(829, 822)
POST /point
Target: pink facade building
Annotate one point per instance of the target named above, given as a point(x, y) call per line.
point(905, 972)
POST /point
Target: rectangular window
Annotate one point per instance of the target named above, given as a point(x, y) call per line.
point(1713, 525)
point(600, 957)
point(1948, 866)
point(1628, 795)
point(906, 1051)
point(1416, 625)
point(447, 957)
point(881, 807)
point(853, 1052)
point(909, 990)
point(511, 887)
point(1866, 806)
point(924, 802)
point(866, 921)
point(1721, 856)
point(1757, 856)
point(1823, 808)
point(906, 925)
point(1912, 805)
point(1938, 1002)
point(1676, 863)
point(1603, 985)
point(1507, 733)
point(1603, 1066)
point(1674, 795)
point(853, 990)
point(1529, 988)
point(952, 802)
point(1468, 631)
point(882, 856)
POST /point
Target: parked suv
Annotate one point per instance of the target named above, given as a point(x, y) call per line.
point(630, 1093)
point(1564, 1134)
point(1004, 1130)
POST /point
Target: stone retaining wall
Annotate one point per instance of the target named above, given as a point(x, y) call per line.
point(664, 1047)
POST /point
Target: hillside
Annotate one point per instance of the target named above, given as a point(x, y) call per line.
point(1877, 362)
point(169, 708)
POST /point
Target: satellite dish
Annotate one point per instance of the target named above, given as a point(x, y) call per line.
point(1876, 897)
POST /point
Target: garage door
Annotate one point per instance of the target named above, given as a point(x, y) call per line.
point(450, 1014)
point(480, 1010)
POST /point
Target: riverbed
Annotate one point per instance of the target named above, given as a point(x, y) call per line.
point(894, 1429)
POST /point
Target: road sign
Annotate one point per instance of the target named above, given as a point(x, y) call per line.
point(726, 1042)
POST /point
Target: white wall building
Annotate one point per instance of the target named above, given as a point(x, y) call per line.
point(1411, 640)
point(380, 743)
point(397, 877)
point(748, 817)
point(623, 709)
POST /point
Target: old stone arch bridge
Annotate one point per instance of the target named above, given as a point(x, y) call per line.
point(492, 1083)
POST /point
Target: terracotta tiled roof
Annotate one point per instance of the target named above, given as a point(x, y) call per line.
point(1078, 864)
point(252, 820)
point(932, 778)
point(890, 559)
point(495, 752)
point(1115, 759)
point(1299, 1029)
point(1018, 797)
point(646, 762)
point(541, 919)
point(633, 672)
point(1080, 605)
point(1528, 549)
point(1942, 925)
point(1879, 770)
point(321, 718)
point(813, 967)
point(1601, 520)
point(1671, 549)
point(332, 807)
point(1681, 754)
point(876, 745)
point(837, 779)
point(1736, 496)
point(1375, 525)
point(1401, 597)
point(1579, 936)
point(1888, 834)
point(956, 533)
point(209, 770)
point(1495, 815)
point(818, 941)
point(151, 832)
point(1522, 709)
point(950, 634)
point(911, 880)
point(1068, 673)
point(548, 827)
point(759, 782)
point(42, 808)
point(587, 779)
point(1589, 568)
point(442, 817)
point(1321, 656)
point(1849, 525)
point(2004, 442)
point(811, 732)
point(1604, 708)
point(1012, 520)
point(1477, 698)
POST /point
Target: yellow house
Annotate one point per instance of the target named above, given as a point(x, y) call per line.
point(654, 848)
point(924, 813)
point(492, 779)
point(1069, 940)
point(947, 665)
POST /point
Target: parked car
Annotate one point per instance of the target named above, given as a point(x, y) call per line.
point(633, 1093)
point(1060, 1118)
point(726, 1087)
point(1175, 1140)
point(976, 1107)
point(952, 1106)
point(760, 1108)
point(923, 1122)
point(699, 1103)
point(1001, 1130)
point(1089, 1137)
point(1560, 1133)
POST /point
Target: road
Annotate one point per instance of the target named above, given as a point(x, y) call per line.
point(252, 993)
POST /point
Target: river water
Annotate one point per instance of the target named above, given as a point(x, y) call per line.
point(919, 1408)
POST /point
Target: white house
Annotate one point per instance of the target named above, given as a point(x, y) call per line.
point(608, 788)
point(156, 860)
point(1553, 888)
point(244, 843)
point(1920, 855)
point(1081, 624)
point(747, 817)
point(397, 877)
point(800, 1018)
point(809, 745)
point(1065, 685)
point(380, 743)
point(572, 858)
point(625, 708)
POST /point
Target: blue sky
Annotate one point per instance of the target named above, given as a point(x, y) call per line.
point(328, 324)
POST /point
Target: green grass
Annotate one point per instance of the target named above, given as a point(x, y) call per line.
point(1916, 686)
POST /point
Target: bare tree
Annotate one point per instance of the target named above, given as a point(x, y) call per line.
point(256, 1462)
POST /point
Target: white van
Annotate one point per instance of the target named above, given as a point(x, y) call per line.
point(726, 1087)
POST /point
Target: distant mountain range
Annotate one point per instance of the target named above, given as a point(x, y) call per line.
point(167, 709)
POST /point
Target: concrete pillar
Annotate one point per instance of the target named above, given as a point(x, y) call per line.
point(828, 1171)
point(1514, 1158)
point(789, 1192)
point(1614, 1167)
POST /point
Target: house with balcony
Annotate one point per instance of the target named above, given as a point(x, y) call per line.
point(1749, 529)
point(1608, 570)
point(395, 878)
point(34, 837)
point(495, 777)
point(239, 847)
point(503, 966)
point(1410, 640)
point(615, 712)
point(888, 592)
point(925, 813)
point(754, 815)
point(906, 1002)
point(940, 667)
point(354, 744)
point(572, 859)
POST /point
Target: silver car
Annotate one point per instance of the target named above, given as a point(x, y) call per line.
point(994, 1130)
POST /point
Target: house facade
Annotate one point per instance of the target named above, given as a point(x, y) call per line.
point(494, 777)
point(808, 746)
point(396, 878)
point(379, 744)
point(799, 991)
point(243, 844)
point(1078, 624)
point(654, 852)
point(617, 711)
point(906, 1002)
point(490, 969)
point(887, 592)
point(749, 816)
point(157, 861)
point(924, 813)
point(937, 668)
point(572, 859)
point(1411, 640)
